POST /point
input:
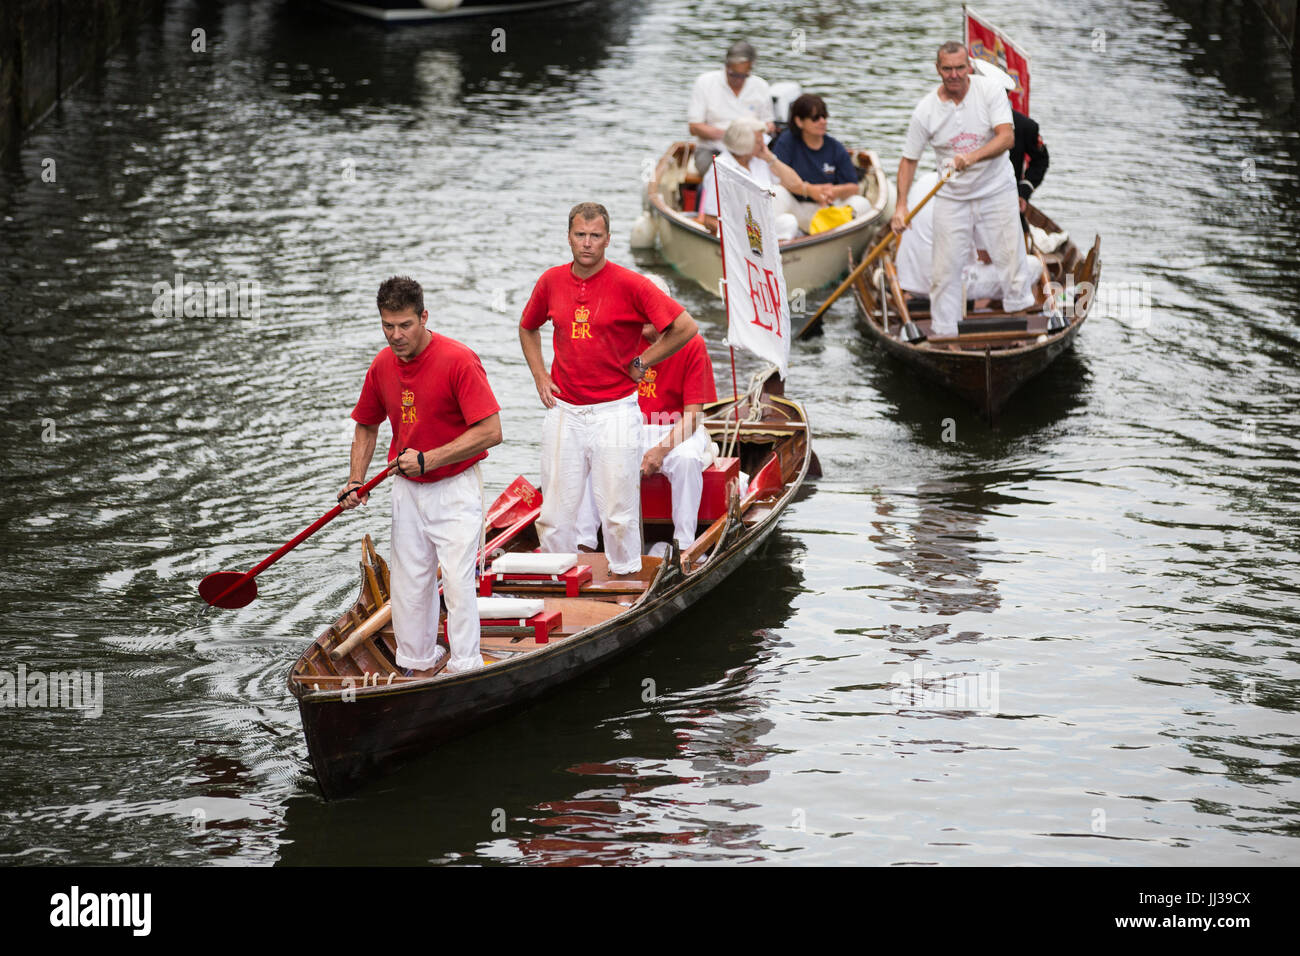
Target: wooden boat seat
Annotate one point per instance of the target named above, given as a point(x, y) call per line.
point(601, 582)
point(577, 614)
point(541, 625)
point(572, 580)
point(657, 495)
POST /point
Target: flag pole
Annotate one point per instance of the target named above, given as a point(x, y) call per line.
point(726, 290)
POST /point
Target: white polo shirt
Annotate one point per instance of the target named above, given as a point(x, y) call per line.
point(953, 128)
point(713, 102)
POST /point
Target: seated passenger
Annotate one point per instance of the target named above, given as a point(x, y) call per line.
point(915, 253)
point(674, 440)
point(745, 150)
point(822, 161)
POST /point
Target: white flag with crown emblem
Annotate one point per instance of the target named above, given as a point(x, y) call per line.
point(758, 315)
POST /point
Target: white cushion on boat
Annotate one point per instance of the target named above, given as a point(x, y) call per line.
point(1047, 242)
point(521, 563)
point(504, 608)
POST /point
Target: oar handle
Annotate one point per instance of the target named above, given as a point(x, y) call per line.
point(306, 533)
point(881, 246)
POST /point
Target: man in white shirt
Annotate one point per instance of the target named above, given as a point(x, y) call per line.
point(967, 120)
point(913, 258)
point(721, 96)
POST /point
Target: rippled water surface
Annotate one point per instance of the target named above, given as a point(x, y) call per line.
point(1116, 560)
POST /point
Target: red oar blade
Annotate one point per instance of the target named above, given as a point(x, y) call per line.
point(215, 586)
point(768, 481)
point(517, 500)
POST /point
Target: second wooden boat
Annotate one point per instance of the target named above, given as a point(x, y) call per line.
point(809, 262)
point(987, 362)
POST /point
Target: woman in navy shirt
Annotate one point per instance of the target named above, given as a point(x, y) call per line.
point(821, 160)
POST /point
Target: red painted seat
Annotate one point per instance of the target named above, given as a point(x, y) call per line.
point(657, 496)
point(573, 579)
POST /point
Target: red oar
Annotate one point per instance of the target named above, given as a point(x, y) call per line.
point(518, 499)
point(232, 589)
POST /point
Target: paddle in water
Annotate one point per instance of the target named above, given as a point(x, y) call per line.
point(232, 589)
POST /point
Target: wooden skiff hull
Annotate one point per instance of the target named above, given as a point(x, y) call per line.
point(808, 262)
point(360, 735)
point(988, 376)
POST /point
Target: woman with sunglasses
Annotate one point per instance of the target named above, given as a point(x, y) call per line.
point(820, 160)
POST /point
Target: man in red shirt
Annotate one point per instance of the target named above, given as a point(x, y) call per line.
point(592, 424)
point(444, 417)
point(674, 440)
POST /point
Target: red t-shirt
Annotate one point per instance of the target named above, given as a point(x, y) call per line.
point(597, 328)
point(684, 378)
point(428, 401)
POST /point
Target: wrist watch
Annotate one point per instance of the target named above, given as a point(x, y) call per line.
point(638, 364)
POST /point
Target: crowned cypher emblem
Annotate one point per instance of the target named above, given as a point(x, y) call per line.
point(581, 326)
point(754, 233)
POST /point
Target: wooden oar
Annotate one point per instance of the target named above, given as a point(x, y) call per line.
point(512, 503)
point(765, 482)
point(232, 589)
point(881, 246)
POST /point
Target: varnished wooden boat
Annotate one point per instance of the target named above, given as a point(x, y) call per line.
point(362, 719)
point(809, 262)
point(984, 367)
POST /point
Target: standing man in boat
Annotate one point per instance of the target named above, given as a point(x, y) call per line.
point(967, 120)
point(444, 417)
point(592, 424)
point(720, 96)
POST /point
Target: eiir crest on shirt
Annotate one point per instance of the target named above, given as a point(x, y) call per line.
point(646, 387)
point(408, 407)
point(581, 328)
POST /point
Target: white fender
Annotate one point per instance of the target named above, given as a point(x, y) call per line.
point(643, 232)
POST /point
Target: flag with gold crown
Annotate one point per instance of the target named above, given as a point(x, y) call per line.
point(987, 42)
point(758, 314)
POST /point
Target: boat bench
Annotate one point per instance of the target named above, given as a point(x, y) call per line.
point(542, 624)
point(657, 493)
point(513, 614)
point(572, 579)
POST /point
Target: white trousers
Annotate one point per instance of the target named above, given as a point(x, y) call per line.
point(683, 467)
point(954, 248)
point(438, 522)
point(786, 202)
point(597, 444)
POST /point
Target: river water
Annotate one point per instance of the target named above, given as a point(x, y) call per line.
point(1113, 568)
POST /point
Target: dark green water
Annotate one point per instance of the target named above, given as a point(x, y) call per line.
point(1120, 553)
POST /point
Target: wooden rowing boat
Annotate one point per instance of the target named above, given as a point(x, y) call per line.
point(985, 367)
point(809, 262)
point(361, 718)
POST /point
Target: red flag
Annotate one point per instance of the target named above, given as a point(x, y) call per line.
point(989, 43)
